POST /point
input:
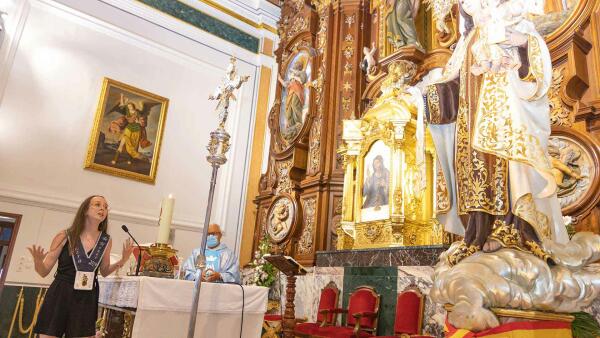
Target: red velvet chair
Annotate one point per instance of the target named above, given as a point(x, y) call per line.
point(361, 316)
point(325, 316)
point(409, 315)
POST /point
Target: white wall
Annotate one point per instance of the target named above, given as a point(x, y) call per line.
point(48, 103)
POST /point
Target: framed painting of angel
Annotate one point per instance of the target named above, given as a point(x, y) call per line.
point(127, 132)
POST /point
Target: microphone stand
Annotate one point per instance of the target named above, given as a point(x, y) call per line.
point(139, 258)
point(217, 148)
point(139, 255)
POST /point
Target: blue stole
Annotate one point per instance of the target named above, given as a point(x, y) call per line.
point(213, 259)
point(85, 264)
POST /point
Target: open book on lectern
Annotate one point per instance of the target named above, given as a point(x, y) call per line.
point(286, 264)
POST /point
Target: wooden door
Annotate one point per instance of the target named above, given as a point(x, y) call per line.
point(9, 226)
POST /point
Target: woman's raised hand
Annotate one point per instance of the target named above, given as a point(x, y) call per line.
point(38, 253)
point(127, 249)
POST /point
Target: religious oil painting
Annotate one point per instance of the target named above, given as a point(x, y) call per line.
point(376, 183)
point(295, 95)
point(280, 220)
point(127, 132)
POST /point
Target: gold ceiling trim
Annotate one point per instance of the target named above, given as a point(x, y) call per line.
point(233, 14)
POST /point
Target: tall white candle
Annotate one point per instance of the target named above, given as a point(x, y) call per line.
point(166, 217)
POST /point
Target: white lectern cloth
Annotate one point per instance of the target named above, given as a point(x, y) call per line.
point(163, 307)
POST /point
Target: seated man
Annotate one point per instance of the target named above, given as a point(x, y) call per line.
point(221, 263)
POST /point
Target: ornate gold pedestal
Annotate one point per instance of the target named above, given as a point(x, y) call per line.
point(159, 264)
point(505, 315)
point(380, 234)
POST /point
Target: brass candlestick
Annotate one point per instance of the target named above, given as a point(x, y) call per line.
point(159, 264)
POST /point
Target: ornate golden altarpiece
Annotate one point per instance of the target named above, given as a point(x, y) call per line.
point(300, 201)
point(388, 131)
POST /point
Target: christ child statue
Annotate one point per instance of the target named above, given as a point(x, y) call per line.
point(495, 20)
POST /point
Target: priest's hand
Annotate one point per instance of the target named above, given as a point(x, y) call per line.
point(212, 277)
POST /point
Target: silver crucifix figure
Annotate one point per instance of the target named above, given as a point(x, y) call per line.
point(224, 92)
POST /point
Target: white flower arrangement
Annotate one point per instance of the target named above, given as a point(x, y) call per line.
point(264, 274)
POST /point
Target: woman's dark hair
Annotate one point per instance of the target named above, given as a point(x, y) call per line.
point(76, 227)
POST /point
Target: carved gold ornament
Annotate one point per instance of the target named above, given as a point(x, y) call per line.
point(572, 167)
point(373, 231)
point(314, 145)
point(284, 183)
point(320, 5)
point(305, 244)
point(281, 218)
point(560, 115)
point(506, 234)
point(441, 192)
point(463, 251)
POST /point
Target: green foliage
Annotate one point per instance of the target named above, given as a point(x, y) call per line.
point(265, 274)
point(585, 326)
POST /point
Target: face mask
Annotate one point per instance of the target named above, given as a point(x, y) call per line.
point(212, 241)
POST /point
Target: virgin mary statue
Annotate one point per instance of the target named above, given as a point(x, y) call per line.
point(491, 134)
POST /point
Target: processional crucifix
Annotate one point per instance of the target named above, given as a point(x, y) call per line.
point(218, 146)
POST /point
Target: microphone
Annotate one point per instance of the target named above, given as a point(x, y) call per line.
point(139, 257)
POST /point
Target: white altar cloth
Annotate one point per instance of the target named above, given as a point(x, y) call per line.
point(163, 307)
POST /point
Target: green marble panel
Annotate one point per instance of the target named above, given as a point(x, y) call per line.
point(205, 22)
point(8, 301)
point(384, 280)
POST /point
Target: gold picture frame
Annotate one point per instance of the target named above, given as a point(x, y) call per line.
point(127, 132)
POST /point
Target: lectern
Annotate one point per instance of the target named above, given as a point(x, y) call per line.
point(291, 268)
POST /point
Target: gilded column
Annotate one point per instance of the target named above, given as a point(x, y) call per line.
point(350, 164)
point(398, 198)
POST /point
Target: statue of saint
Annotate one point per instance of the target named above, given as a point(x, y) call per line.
point(400, 22)
point(489, 119)
point(490, 124)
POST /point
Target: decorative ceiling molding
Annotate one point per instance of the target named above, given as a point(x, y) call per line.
point(193, 16)
point(262, 13)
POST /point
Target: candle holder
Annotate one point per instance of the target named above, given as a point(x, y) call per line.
point(160, 264)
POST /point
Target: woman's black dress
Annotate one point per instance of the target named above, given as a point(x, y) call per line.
point(66, 310)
